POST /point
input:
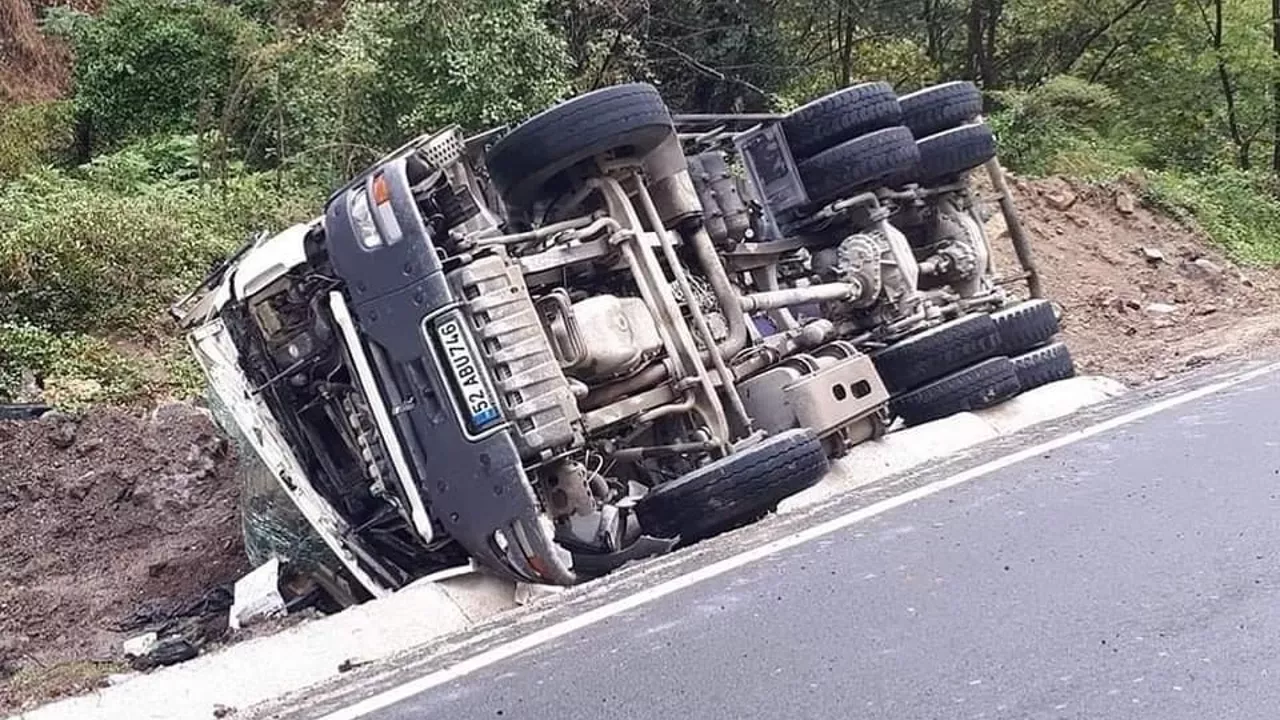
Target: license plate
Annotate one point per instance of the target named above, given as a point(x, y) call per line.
point(477, 399)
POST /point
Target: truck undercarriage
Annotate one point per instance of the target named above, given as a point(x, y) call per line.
point(597, 336)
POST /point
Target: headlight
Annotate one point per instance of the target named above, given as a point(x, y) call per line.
point(363, 219)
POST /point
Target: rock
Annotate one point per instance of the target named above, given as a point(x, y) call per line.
point(1124, 202)
point(64, 436)
point(1061, 199)
point(1153, 255)
point(221, 711)
point(1208, 266)
point(1161, 308)
point(1201, 269)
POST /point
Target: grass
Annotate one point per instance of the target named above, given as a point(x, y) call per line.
point(35, 684)
point(1239, 211)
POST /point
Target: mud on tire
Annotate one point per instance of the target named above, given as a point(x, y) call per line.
point(733, 490)
point(840, 116)
point(623, 117)
point(1025, 325)
point(1045, 365)
point(979, 386)
point(937, 351)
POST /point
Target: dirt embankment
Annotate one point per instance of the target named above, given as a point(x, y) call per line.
point(109, 525)
point(1143, 296)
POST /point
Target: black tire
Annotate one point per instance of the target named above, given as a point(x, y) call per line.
point(1025, 325)
point(733, 490)
point(941, 107)
point(988, 383)
point(862, 163)
point(951, 153)
point(623, 117)
point(937, 351)
point(1042, 366)
point(23, 411)
point(840, 116)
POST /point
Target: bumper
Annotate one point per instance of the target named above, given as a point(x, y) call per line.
point(473, 481)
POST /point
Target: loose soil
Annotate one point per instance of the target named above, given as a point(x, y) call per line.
point(1143, 296)
point(110, 525)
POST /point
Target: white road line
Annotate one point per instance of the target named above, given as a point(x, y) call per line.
point(644, 597)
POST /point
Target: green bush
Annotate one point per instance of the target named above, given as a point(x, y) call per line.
point(34, 135)
point(74, 370)
point(339, 98)
point(1238, 210)
point(1065, 126)
point(158, 66)
point(107, 247)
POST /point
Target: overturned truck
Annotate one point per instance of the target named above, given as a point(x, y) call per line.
point(608, 331)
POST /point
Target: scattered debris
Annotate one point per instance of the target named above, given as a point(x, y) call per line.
point(169, 651)
point(257, 596)
point(1153, 255)
point(351, 664)
point(221, 711)
point(1161, 308)
point(141, 645)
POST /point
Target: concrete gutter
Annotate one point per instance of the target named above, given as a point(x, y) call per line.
point(262, 669)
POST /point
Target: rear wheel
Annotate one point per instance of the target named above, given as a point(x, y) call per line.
point(625, 118)
point(951, 153)
point(979, 386)
point(840, 116)
point(1045, 365)
point(860, 164)
point(937, 351)
point(941, 107)
point(1025, 325)
point(734, 490)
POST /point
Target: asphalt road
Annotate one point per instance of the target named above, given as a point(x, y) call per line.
point(1131, 575)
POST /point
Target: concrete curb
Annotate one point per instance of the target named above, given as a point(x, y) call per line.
point(910, 448)
point(266, 668)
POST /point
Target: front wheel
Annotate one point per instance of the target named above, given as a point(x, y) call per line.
point(630, 119)
point(734, 490)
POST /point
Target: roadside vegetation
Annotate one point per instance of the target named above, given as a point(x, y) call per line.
point(141, 140)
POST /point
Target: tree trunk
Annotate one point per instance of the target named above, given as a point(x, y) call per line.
point(1275, 87)
point(984, 16)
point(1228, 90)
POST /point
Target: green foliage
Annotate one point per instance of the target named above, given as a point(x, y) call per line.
point(476, 63)
point(1239, 210)
point(33, 135)
point(145, 67)
point(1065, 126)
point(330, 101)
point(105, 248)
point(73, 369)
